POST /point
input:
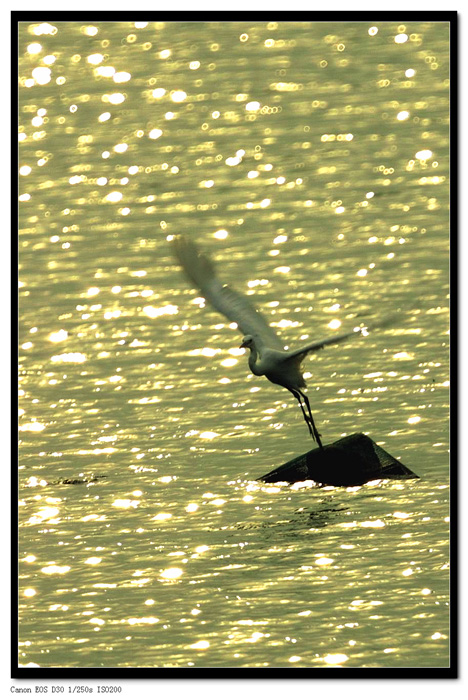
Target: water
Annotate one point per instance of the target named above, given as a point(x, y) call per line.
point(310, 159)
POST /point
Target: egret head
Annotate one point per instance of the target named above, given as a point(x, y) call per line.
point(247, 342)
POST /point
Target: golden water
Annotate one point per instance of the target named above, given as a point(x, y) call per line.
point(310, 159)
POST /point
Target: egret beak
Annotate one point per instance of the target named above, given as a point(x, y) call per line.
point(243, 345)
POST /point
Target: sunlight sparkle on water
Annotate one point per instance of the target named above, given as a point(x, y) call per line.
point(116, 98)
point(162, 516)
point(202, 644)
point(172, 573)
point(121, 77)
point(335, 659)
point(425, 154)
point(252, 106)
point(178, 95)
point(95, 59)
point(105, 72)
point(154, 312)
point(209, 435)
point(114, 196)
point(32, 427)
point(125, 503)
point(69, 357)
point(44, 28)
point(229, 362)
point(54, 569)
point(58, 336)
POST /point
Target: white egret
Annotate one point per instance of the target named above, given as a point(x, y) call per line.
point(267, 354)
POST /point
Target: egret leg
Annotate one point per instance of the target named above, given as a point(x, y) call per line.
point(308, 418)
point(316, 433)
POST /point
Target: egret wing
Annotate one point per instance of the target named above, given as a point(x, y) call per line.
point(335, 339)
point(235, 306)
point(332, 340)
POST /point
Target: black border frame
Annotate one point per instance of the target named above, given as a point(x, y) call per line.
point(113, 674)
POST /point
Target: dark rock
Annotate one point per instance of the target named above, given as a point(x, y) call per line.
point(351, 461)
